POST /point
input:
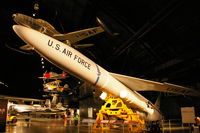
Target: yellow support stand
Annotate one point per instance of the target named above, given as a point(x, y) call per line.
point(11, 119)
point(115, 108)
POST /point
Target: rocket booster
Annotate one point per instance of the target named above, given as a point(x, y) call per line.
point(78, 65)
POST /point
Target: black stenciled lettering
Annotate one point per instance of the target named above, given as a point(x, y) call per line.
point(64, 51)
point(57, 47)
point(82, 62)
point(89, 66)
point(67, 52)
point(75, 57)
point(79, 60)
point(50, 43)
point(70, 54)
point(86, 65)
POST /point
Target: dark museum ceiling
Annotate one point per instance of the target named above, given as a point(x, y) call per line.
point(157, 40)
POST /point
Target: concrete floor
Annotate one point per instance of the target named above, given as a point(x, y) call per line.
point(46, 125)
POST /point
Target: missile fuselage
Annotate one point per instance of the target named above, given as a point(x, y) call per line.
point(78, 65)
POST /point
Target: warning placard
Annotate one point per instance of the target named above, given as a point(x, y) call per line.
point(188, 114)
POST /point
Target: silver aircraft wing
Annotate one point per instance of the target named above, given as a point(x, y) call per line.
point(138, 84)
point(76, 36)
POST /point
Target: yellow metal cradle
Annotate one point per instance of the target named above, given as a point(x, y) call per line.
point(115, 108)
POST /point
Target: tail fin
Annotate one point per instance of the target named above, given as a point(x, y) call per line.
point(101, 23)
point(157, 103)
point(27, 47)
point(20, 49)
point(54, 99)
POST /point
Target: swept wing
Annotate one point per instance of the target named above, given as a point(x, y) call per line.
point(138, 84)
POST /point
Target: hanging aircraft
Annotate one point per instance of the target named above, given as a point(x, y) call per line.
point(54, 75)
point(120, 86)
point(54, 86)
point(44, 27)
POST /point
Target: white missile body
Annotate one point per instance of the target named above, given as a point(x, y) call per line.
point(78, 65)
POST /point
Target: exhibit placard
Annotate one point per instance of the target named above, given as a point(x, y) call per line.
point(188, 114)
point(90, 112)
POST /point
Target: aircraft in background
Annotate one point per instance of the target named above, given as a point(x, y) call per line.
point(54, 86)
point(21, 108)
point(54, 75)
point(18, 103)
point(24, 108)
point(44, 27)
point(120, 86)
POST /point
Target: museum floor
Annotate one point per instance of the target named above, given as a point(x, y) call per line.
point(45, 125)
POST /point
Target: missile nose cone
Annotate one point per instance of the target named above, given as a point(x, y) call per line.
point(20, 31)
point(19, 28)
point(16, 28)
